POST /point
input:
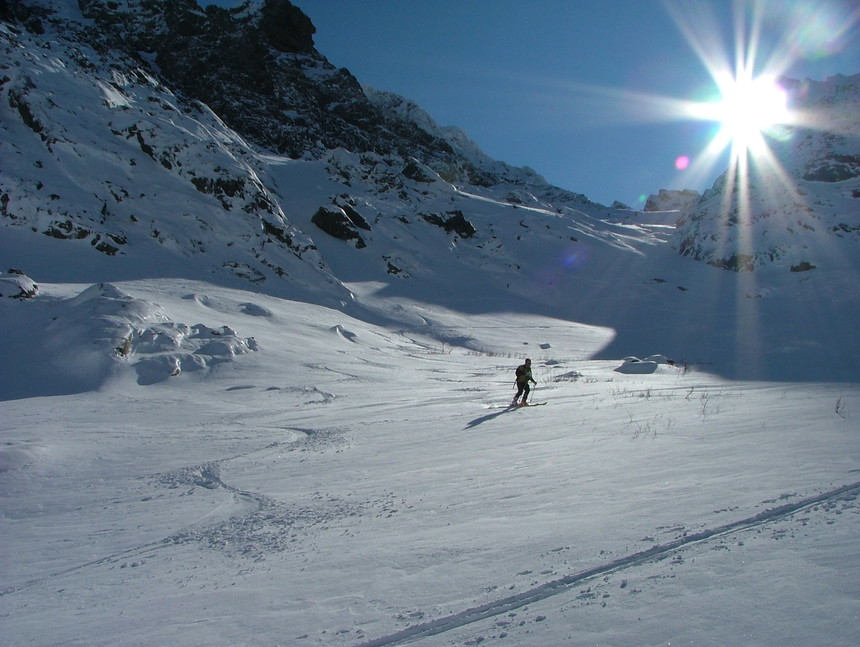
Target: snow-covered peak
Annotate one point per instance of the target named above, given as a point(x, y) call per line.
point(394, 105)
point(672, 200)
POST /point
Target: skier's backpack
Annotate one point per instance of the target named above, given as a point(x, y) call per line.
point(521, 371)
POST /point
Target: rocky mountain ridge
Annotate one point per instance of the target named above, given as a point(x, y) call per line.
point(256, 69)
point(87, 119)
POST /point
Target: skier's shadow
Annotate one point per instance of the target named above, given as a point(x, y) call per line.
point(477, 421)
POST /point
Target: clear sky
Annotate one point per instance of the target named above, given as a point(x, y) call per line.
point(571, 87)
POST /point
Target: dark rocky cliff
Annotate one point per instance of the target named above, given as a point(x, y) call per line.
point(257, 68)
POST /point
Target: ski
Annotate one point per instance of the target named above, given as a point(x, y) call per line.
point(514, 406)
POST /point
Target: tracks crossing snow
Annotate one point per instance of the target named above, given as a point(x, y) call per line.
point(560, 585)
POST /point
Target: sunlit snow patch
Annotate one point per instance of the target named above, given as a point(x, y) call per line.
point(636, 366)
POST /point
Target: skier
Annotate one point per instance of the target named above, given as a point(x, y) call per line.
point(524, 376)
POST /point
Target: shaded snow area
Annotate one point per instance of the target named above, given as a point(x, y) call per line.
point(86, 338)
point(183, 464)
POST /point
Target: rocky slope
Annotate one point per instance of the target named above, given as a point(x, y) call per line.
point(113, 109)
point(200, 92)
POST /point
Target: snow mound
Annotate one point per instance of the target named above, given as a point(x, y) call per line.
point(254, 310)
point(104, 325)
point(343, 333)
point(659, 359)
point(16, 285)
point(635, 366)
point(169, 349)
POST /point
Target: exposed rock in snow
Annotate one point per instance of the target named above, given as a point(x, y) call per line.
point(672, 200)
point(335, 222)
point(636, 366)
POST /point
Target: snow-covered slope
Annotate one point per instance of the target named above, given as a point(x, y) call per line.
point(337, 483)
point(110, 173)
point(98, 152)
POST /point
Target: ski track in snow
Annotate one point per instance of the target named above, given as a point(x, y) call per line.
point(267, 526)
point(113, 557)
point(564, 584)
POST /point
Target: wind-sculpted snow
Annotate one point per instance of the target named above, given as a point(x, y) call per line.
point(15, 285)
point(96, 334)
point(141, 335)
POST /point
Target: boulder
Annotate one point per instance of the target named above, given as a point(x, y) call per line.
point(335, 222)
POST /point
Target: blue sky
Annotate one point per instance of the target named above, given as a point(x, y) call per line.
point(562, 86)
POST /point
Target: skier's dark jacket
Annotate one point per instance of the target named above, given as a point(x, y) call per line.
point(524, 373)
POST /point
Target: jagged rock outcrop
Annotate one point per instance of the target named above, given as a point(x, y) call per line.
point(334, 221)
point(672, 200)
point(259, 71)
point(833, 167)
point(454, 222)
point(257, 68)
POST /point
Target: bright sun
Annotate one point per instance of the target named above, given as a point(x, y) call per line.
point(746, 109)
point(743, 100)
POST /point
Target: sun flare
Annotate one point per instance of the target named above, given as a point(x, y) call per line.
point(747, 108)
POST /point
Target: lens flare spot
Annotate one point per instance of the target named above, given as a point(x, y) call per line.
point(574, 257)
point(815, 30)
point(682, 162)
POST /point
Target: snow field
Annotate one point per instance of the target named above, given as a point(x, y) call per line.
point(348, 484)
